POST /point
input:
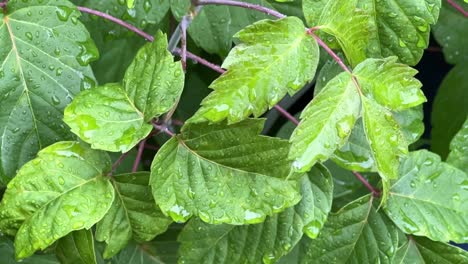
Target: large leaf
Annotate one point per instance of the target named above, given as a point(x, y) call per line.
point(450, 32)
point(274, 57)
point(389, 83)
point(135, 254)
point(385, 138)
point(133, 214)
point(7, 251)
point(60, 191)
point(358, 233)
point(106, 118)
point(44, 59)
point(326, 123)
point(154, 81)
point(223, 174)
point(458, 156)
point(430, 198)
point(76, 248)
point(450, 109)
point(420, 250)
point(268, 241)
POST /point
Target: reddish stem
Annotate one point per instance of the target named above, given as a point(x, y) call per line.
point(117, 21)
point(458, 8)
point(163, 129)
point(117, 163)
point(287, 114)
point(259, 8)
point(141, 147)
point(329, 51)
point(374, 191)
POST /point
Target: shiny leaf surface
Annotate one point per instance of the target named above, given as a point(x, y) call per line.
point(76, 248)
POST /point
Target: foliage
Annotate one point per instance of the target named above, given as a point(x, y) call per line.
point(113, 150)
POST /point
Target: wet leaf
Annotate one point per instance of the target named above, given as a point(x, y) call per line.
point(458, 155)
point(76, 248)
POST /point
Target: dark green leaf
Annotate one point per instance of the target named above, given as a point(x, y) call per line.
point(420, 250)
point(430, 198)
point(7, 253)
point(60, 191)
point(458, 156)
point(268, 241)
point(76, 248)
point(44, 59)
point(106, 118)
point(135, 254)
point(326, 123)
point(274, 57)
point(133, 214)
point(223, 174)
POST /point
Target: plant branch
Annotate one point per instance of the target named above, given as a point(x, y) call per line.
point(137, 161)
point(374, 191)
point(117, 21)
point(259, 8)
point(163, 128)
point(117, 163)
point(458, 8)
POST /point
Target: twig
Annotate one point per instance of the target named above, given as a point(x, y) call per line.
point(374, 191)
point(457, 7)
point(259, 8)
point(287, 114)
point(163, 128)
point(117, 21)
point(137, 161)
point(117, 163)
point(329, 51)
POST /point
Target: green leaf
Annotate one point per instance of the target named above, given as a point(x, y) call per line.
point(385, 139)
point(458, 156)
point(430, 198)
point(389, 83)
point(154, 82)
point(44, 59)
point(7, 251)
point(399, 27)
point(76, 248)
point(420, 250)
point(273, 58)
point(130, 3)
point(358, 233)
point(450, 32)
point(450, 109)
point(326, 123)
point(106, 118)
point(223, 174)
point(60, 191)
point(344, 21)
point(133, 214)
point(135, 254)
point(268, 241)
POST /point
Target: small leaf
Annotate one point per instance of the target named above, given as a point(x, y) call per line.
point(273, 58)
point(389, 83)
point(106, 118)
point(430, 198)
point(265, 242)
point(450, 109)
point(385, 138)
point(458, 156)
point(133, 214)
point(357, 233)
point(44, 62)
point(60, 191)
point(223, 174)
point(76, 248)
point(154, 81)
point(423, 250)
point(326, 123)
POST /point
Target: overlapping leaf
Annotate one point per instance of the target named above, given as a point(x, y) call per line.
point(420, 250)
point(114, 117)
point(133, 214)
point(326, 123)
point(458, 155)
point(273, 58)
point(7, 251)
point(223, 174)
point(60, 191)
point(76, 247)
point(44, 57)
point(358, 233)
point(430, 198)
point(268, 241)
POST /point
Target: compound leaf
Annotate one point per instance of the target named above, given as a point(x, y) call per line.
point(60, 191)
point(44, 61)
point(430, 198)
point(133, 214)
point(326, 123)
point(106, 118)
point(274, 57)
point(223, 174)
